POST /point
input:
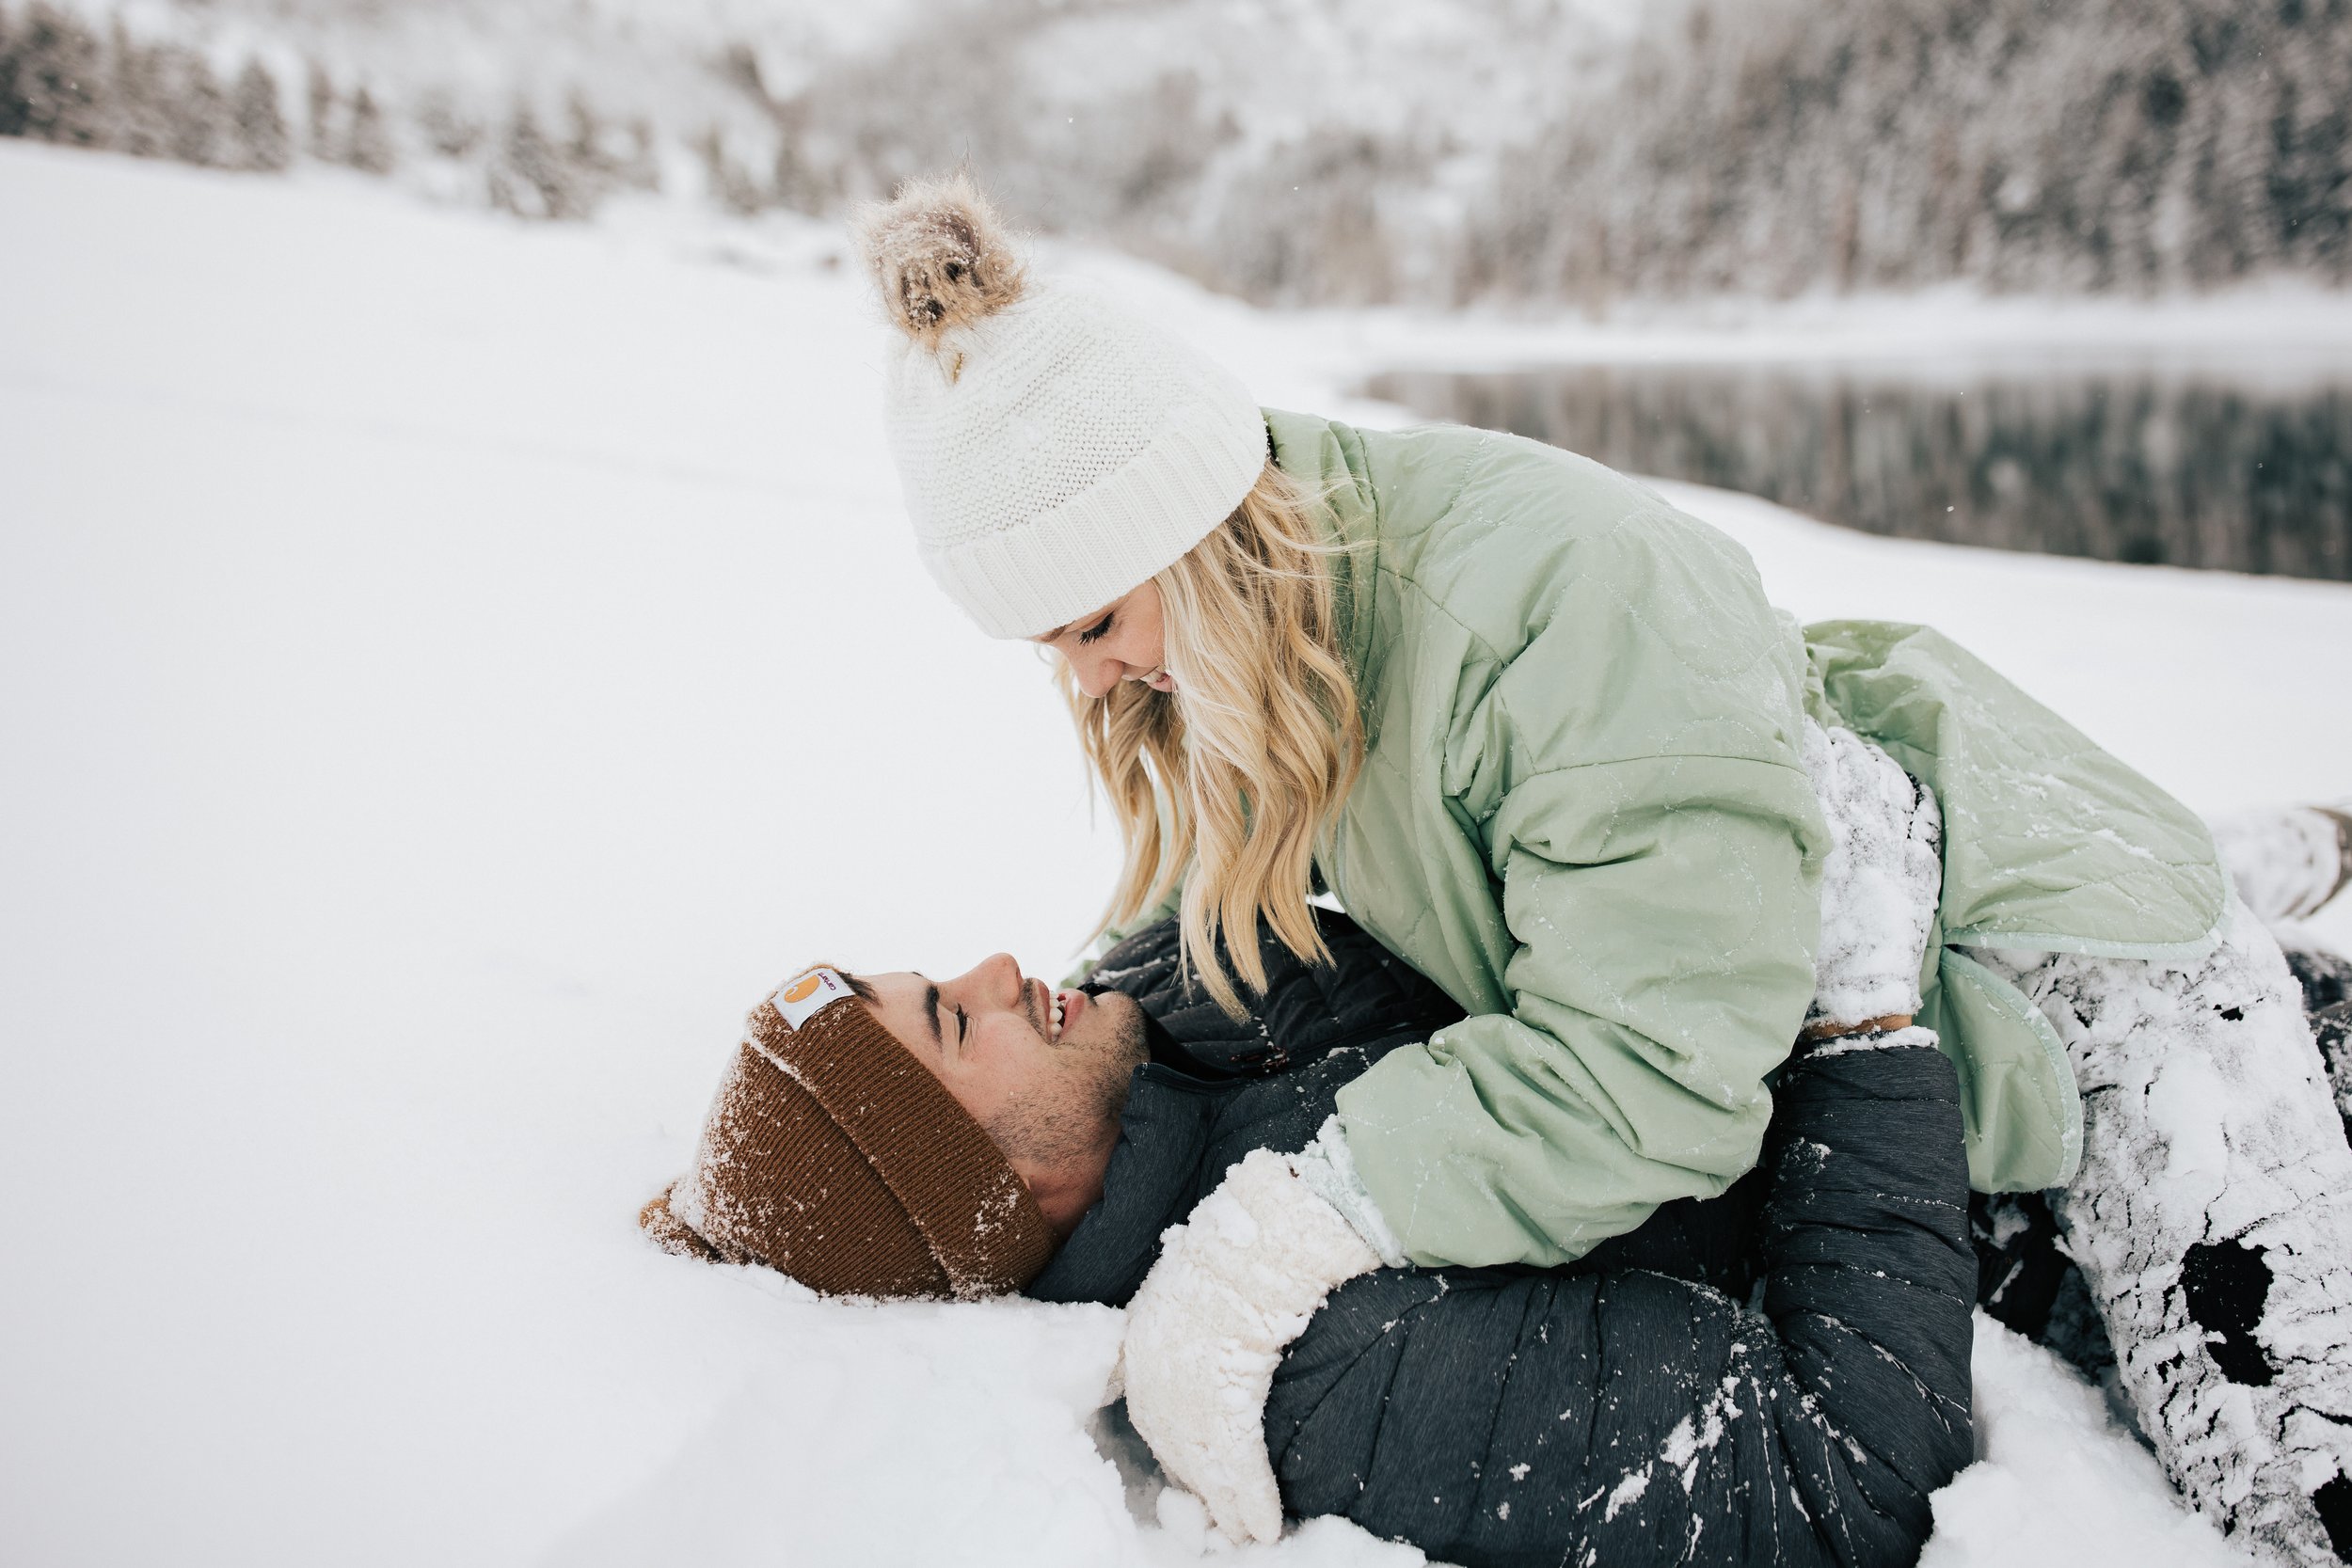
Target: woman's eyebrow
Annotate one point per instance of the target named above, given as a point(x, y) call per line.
point(930, 1012)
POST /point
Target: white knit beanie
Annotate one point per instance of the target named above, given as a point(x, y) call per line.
point(1055, 452)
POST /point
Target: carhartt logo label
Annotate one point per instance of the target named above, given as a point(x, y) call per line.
point(802, 998)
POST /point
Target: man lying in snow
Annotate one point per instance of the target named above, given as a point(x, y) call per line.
point(889, 1136)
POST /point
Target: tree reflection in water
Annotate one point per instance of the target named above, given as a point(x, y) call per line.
point(2141, 467)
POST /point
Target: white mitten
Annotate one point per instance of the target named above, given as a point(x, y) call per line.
point(1233, 1286)
point(1880, 884)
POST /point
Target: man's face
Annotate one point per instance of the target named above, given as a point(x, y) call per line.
point(1045, 1072)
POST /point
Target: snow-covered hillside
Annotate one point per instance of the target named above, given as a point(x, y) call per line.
point(449, 668)
point(1180, 128)
point(1605, 153)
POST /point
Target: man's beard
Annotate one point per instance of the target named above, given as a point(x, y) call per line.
point(1065, 1121)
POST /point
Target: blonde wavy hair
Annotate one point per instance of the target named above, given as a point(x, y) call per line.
point(1251, 753)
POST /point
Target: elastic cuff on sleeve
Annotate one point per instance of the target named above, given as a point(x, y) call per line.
point(1885, 999)
point(1874, 1039)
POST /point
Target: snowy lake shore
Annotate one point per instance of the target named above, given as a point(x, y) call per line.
point(451, 669)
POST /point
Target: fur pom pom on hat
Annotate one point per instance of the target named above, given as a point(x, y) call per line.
point(941, 258)
point(1055, 450)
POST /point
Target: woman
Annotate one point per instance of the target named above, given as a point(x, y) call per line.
point(1543, 736)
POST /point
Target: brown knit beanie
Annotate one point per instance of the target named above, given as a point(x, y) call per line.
point(832, 1155)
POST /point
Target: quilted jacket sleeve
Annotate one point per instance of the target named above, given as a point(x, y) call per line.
point(1623, 1416)
point(1648, 834)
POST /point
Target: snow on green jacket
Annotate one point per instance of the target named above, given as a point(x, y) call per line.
point(1582, 813)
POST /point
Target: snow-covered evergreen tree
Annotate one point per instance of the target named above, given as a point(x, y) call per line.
point(263, 142)
point(368, 143)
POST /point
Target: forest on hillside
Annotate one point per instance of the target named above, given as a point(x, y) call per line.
point(1480, 150)
point(2045, 145)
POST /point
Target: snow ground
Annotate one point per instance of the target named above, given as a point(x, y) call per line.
point(449, 670)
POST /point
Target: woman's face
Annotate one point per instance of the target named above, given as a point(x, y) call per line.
point(1120, 641)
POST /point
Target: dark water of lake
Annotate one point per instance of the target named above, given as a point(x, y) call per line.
point(2149, 467)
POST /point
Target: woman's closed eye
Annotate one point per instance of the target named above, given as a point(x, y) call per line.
point(1100, 629)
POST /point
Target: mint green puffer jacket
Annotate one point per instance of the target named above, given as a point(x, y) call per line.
point(1582, 813)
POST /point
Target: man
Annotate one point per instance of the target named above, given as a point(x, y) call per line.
point(894, 1135)
point(1623, 1404)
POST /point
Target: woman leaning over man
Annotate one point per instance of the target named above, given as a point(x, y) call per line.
point(1542, 735)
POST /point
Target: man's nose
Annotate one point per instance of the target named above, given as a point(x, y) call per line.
point(996, 979)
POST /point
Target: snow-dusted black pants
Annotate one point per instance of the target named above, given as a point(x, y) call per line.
point(2212, 1219)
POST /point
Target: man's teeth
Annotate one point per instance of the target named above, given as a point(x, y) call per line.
point(1057, 1017)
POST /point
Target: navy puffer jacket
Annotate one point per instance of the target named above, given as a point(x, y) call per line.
point(1779, 1375)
